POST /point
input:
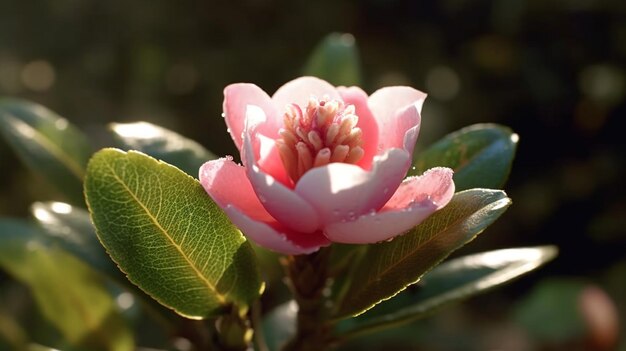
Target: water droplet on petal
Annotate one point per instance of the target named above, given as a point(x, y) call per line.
point(262, 199)
point(386, 191)
point(223, 115)
point(336, 212)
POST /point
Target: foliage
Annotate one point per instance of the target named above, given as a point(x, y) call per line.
point(176, 248)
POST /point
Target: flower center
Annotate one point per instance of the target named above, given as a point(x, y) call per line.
point(323, 133)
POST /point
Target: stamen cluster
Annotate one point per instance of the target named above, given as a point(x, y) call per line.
point(323, 133)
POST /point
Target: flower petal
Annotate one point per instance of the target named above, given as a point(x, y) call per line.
point(341, 191)
point(381, 226)
point(228, 184)
point(436, 184)
point(284, 204)
point(367, 123)
point(415, 200)
point(237, 97)
point(397, 111)
point(299, 91)
point(275, 237)
point(270, 162)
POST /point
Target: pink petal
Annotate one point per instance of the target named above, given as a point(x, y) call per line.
point(367, 123)
point(228, 185)
point(435, 184)
point(375, 227)
point(415, 200)
point(341, 191)
point(237, 98)
point(397, 110)
point(270, 162)
point(299, 91)
point(281, 202)
point(275, 237)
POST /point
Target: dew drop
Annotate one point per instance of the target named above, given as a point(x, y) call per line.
point(390, 239)
point(223, 115)
point(413, 168)
point(336, 212)
point(386, 191)
point(262, 199)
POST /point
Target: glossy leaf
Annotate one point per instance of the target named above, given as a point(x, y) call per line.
point(162, 144)
point(68, 293)
point(47, 143)
point(388, 268)
point(167, 235)
point(456, 280)
point(481, 156)
point(336, 60)
point(70, 228)
point(279, 325)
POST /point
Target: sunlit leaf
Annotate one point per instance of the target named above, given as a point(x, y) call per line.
point(167, 235)
point(481, 156)
point(162, 144)
point(69, 294)
point(456, 280)
point(388, 268)
point(336, 59)
point(46, 143)
point(71, 228)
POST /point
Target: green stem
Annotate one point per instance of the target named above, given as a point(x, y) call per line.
point(259, 337)
point(308, 277)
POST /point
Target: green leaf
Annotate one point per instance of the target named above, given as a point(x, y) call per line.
point(335, 59)
point(388, 268)
point(456, 280)
point(162, 144)
point(168, 236)
point(70, 228)
point(551, 312)
point(46, 143)
point(69, 294)
point(480, 155)
point(279, 325)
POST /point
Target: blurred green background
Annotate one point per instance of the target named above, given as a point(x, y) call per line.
point(551, 70)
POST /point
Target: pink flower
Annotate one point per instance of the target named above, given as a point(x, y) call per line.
point(323, 164)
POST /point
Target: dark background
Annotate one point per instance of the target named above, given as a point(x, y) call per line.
point(551, 70)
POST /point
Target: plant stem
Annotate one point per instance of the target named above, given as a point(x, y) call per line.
point(308, 276)
point(233, 330)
